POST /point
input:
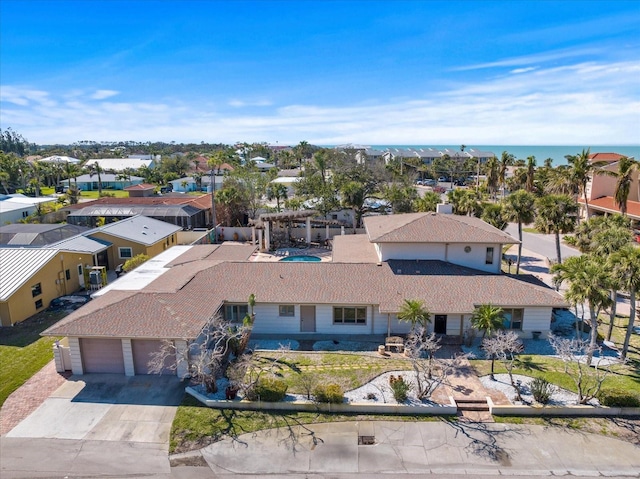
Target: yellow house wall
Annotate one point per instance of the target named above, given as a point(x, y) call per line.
point(136, 248)
point(53, 282)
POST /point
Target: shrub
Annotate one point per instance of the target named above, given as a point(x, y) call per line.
point(329, 393)
point(400, 389)
point(541, 390)
point(268, 389)
point(134, 262)
point(618, 398)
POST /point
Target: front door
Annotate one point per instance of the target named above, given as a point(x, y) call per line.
point(80, 276)
point(440, 324)
point(307, 319)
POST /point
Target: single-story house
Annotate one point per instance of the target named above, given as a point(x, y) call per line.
point(450, 263)
point(16, 207)
point(37, 234)
point(109, 181)
point(31, 277)
point(121, 164)
point(136, 235)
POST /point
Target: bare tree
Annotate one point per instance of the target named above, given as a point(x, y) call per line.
point(430, 371)
point(247, 370)
point(575, 354)
point(205, 358)
point(504, 346)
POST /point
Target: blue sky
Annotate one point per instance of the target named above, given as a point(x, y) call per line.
point(329, 72)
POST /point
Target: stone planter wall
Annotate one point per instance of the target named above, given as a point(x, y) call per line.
point(558, 411)
point(363, 408)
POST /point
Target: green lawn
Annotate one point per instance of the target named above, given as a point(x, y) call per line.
point(93, 195)
point(23, 352)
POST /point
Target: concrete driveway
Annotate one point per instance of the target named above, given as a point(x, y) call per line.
point(107, 407)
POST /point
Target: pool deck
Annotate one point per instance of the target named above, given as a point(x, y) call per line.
point(322, 253)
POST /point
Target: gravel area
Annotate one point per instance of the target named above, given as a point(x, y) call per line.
point(559, 396)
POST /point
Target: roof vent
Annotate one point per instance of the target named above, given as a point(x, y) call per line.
point(399, 271)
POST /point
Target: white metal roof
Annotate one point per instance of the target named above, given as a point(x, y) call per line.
point(140, 229)
point(17, 265)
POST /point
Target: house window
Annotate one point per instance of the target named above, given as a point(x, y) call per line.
point(513, 318)
point(36, 290)
point(287, 310)
point(489, 257)
point(345, 315)
point(125, 253)
point(67, 274)
point(235, 312)
point(39, 304)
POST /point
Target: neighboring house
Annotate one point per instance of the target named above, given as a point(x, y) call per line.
point(109, 181)
point(136, 235)
point(16, 207)
point(141, 190)
point(31, 277)
point(36, 234)
point(189, 183)
point(187, 212)
point(357, 293)
point(601, 190)
point(122, 164)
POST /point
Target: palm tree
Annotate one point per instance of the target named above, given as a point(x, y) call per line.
point(96, 169)
point(214, 162)
point(556, 214)
point(581, 169)
point(413, 311)
point(278, 192)
point(428, 202)
point(626, 270)
point(518, 207)
point(492, 169)
point(506, 160)
point(624, 175)
point(531, 171)
point(589, 282)
point(487, 318)
point(492, 214)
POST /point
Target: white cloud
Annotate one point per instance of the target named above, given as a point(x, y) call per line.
point(103, 94)
point(242, 103)
point(581, 104)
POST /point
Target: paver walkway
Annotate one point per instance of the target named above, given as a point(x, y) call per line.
point(30, 396)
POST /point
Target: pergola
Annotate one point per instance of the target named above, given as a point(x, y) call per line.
point(263, 223)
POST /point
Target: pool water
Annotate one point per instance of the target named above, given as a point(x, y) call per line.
point(301, 258)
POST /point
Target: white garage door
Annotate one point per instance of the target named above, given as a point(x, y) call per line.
point(102, 355)
point(142, 354)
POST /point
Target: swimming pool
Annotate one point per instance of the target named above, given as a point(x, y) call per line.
point(301, 258)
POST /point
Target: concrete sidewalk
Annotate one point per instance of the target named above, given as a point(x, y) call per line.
point(450, 448)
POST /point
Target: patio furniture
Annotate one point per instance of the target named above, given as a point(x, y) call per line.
point(394, 344)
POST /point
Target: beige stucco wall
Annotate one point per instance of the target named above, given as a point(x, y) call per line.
point(136, 248)
point(53, 282)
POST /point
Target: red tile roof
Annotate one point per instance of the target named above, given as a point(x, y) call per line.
point(203, 201)
point(611, 157)
point(141, 186)
point(608, 204)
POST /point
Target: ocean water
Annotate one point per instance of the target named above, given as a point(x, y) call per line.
point(540, 152)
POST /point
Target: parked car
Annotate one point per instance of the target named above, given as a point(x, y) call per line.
point(430, 182)
point(442, 179)
point(69, 303)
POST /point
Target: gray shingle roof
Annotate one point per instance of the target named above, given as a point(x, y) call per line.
point(179, 303)
point(433, 228)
